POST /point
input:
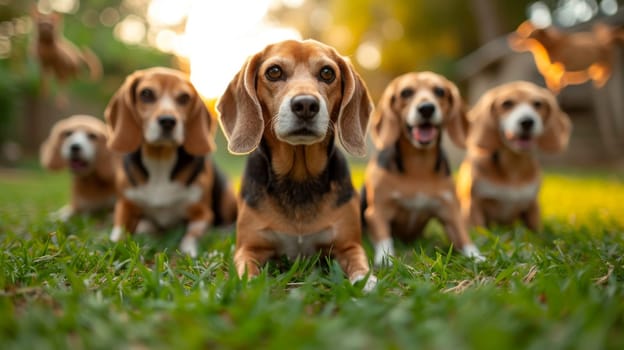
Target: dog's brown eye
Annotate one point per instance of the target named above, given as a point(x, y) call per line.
point(439, 92)
point(537, 104)
point(147, 95)
point(183, 99)
point(407, 93)
point(67, 133)
point(327, 74)
point(274, 73)
point(508, 104)
point(91, 136)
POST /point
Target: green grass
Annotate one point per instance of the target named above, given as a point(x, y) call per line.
point(560, 289)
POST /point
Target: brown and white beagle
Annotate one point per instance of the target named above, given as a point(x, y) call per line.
point(161, 125)
point(79, 144)
point(499, 180)
point(286, 106)
point(409, 181)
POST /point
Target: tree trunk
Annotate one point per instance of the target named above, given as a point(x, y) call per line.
point(487, 18)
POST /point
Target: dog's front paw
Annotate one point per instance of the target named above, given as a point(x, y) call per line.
point(384, 251)
point(145, 227)
point(116, 234)
point(370, 284)
point(473, 252)
point(63, 214)
point(189, 246)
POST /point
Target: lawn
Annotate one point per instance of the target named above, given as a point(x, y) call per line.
point(562, 288)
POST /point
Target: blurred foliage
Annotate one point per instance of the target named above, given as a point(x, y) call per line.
point(412, 35)
point(20, 76)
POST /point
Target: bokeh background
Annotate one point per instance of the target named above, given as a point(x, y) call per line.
point(462, 39)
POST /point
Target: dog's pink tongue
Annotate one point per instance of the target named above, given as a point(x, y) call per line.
point(424, 134)
point(77, 164)
point(524, 143)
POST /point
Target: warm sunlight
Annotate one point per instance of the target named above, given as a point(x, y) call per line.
point(218, 37)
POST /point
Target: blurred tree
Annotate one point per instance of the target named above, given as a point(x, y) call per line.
point(487, 19)
point(25, 115)
point(407, 35)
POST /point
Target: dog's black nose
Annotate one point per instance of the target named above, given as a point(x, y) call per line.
point(527, 124)
point(167, 122)
point(426, 110)
point(305, 106)
point(75, 148)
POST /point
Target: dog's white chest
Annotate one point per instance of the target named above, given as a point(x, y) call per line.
point(293, 245)
point(513, 196)
point(163, 201)
point(417, 202)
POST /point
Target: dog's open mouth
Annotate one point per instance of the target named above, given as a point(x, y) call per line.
point(78, 164)
point(522, 141)
point(424, 134)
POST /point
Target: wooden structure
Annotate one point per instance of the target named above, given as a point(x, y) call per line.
point(597, 114)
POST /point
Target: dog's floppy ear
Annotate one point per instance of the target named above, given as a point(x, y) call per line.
point(457, 123)
point(240, 113)
point(50, 152)
point(385, 124)
point(199, 136)
point(557, 129)
point(355, 110)
point(483, 124)
point(104, 161)
point(125, 128)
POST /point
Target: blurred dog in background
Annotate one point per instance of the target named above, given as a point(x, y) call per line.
point(499, 179)
point(409, 181)
point(79, 144)
point(160, 124)
point(56, 55)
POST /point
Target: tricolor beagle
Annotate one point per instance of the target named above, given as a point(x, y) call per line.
point(286, 106)
point(161, 125)
point(499, 180)
point(79, 144)
point(409, 181)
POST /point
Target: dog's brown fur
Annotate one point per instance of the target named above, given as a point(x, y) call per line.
point(296, 199)
point(179, 167)
point(93, 184)
point(409, 183)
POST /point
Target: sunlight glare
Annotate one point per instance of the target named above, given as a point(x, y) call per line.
point(293, 3)
point(368, 55)
point(130, 30)
point(539, 15)
point(64, 6)
point(167, 12)
point(166, 40)
point(219, 37)
point(609, 7)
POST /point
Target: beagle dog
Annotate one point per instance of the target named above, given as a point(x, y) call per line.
point(79, 144)
point(499, 179)
point(57, 55)
point(409, 181)
point(160, 124)
point(286, 107)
